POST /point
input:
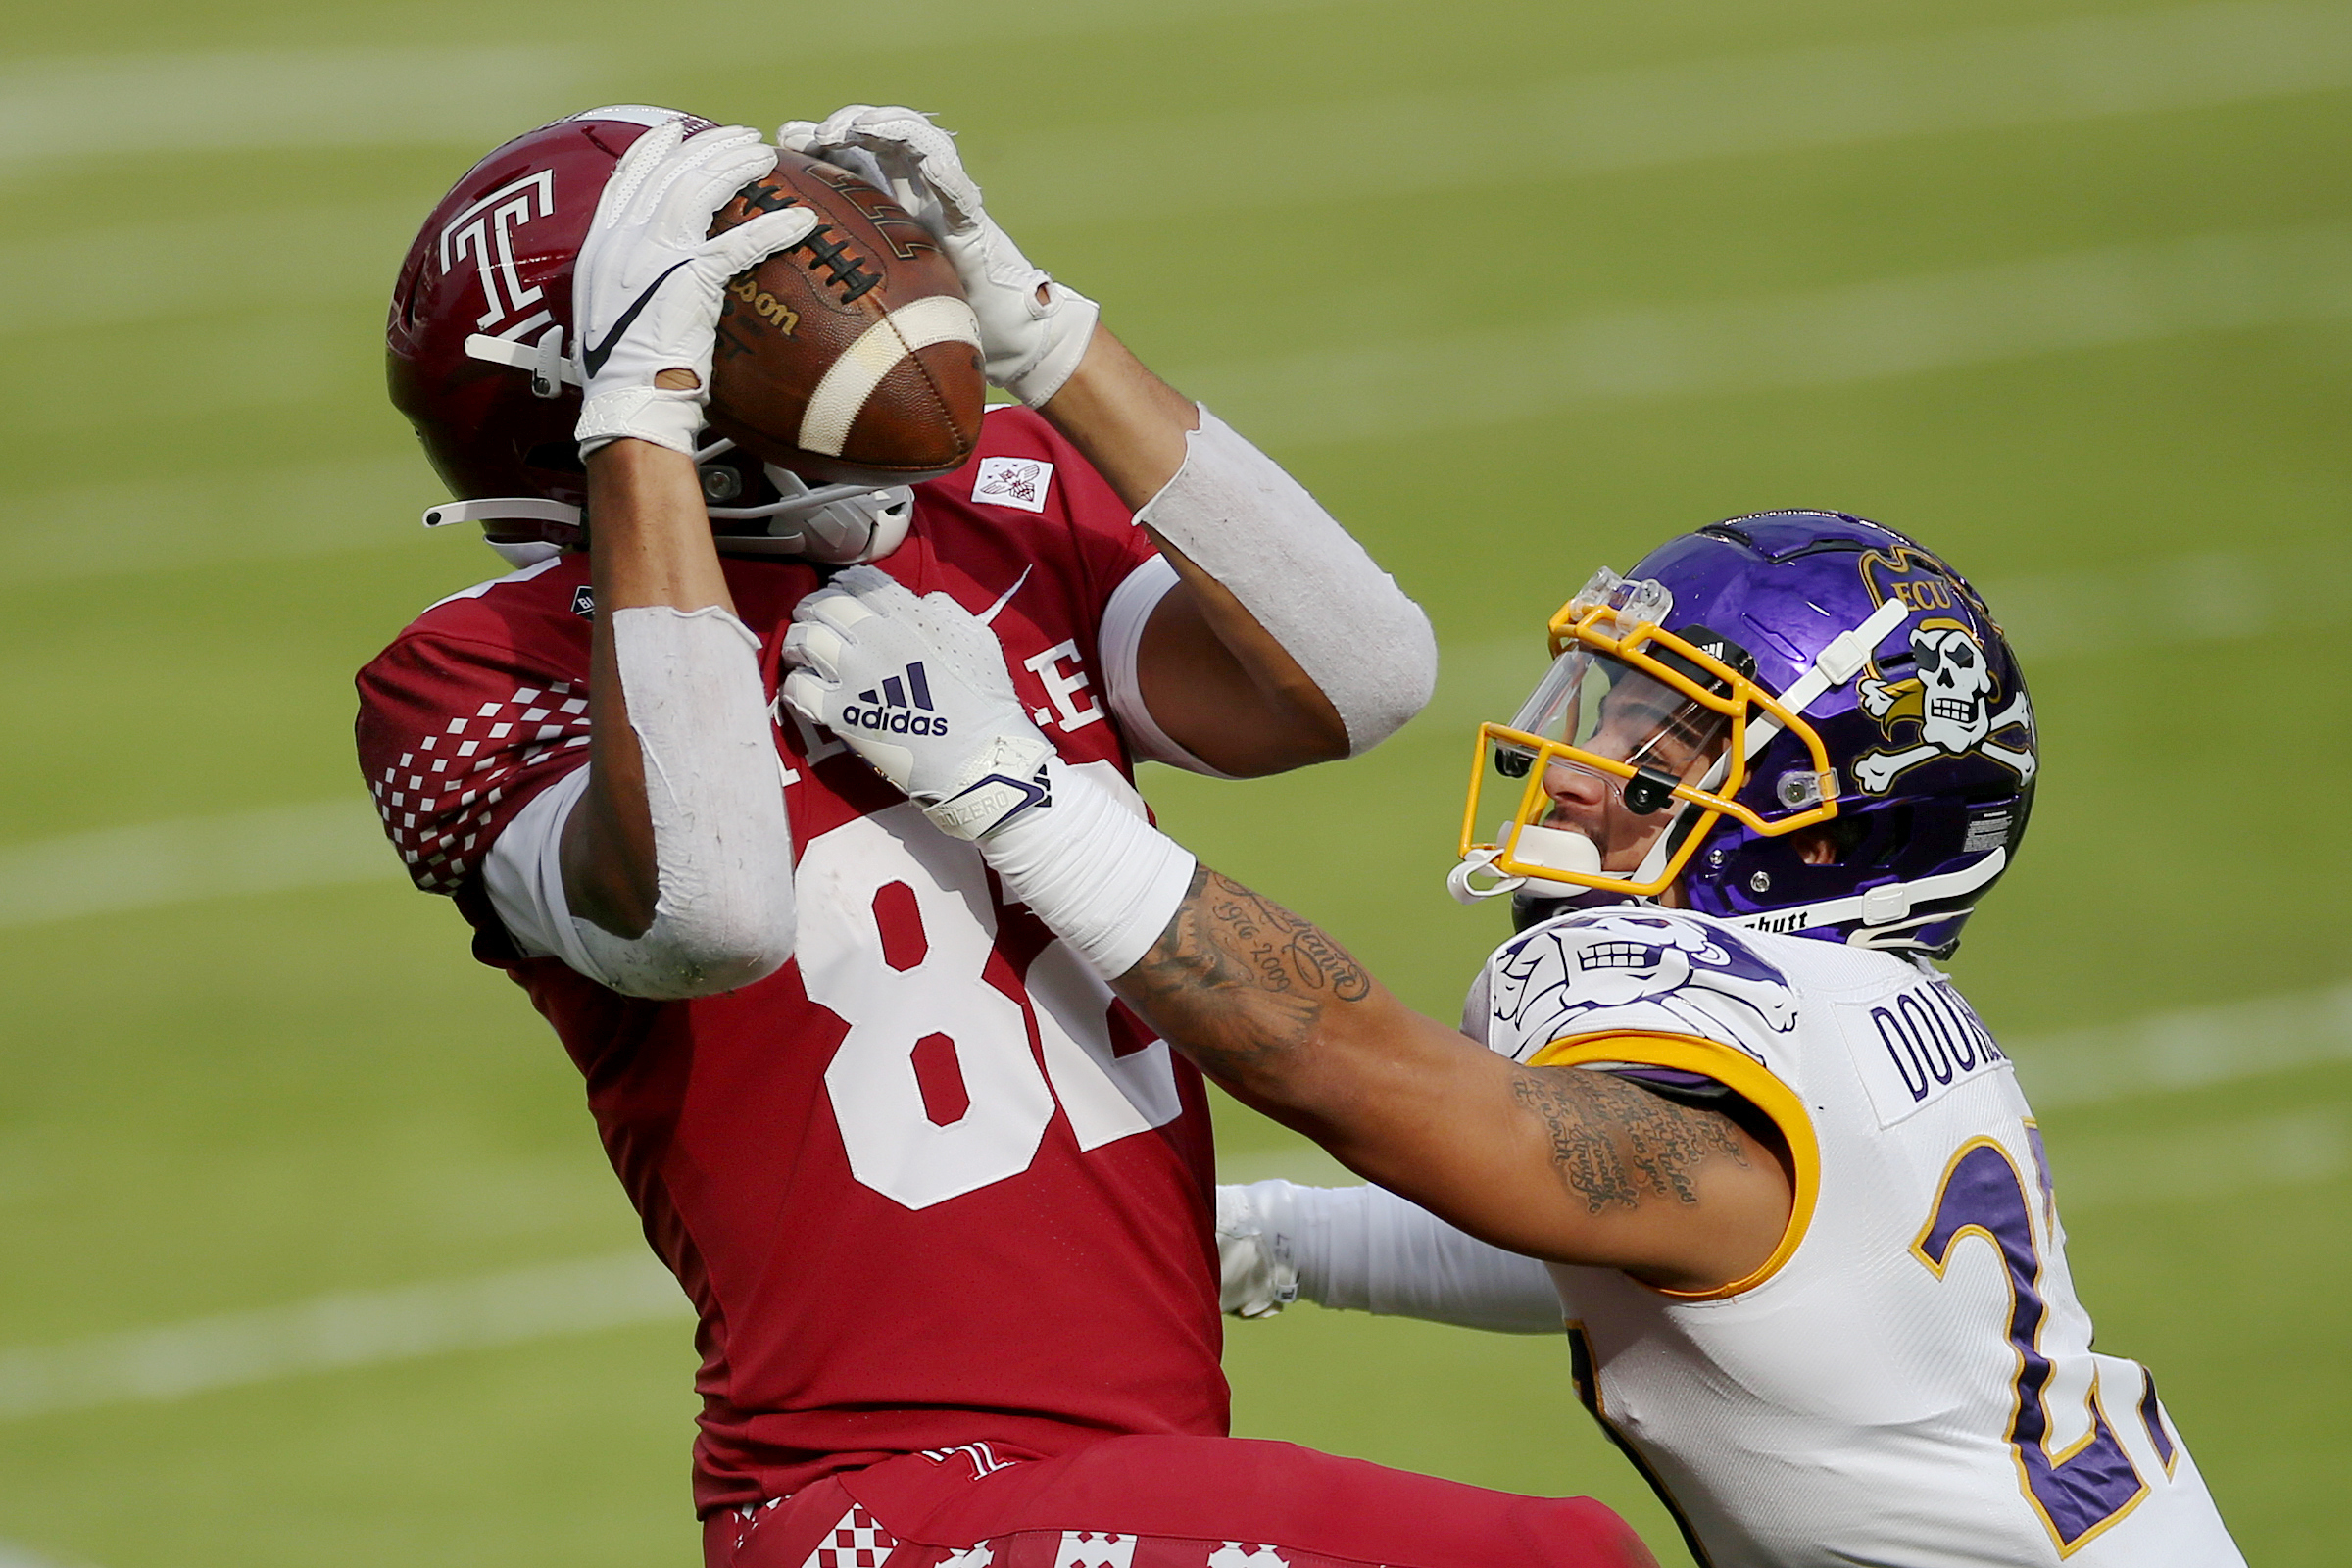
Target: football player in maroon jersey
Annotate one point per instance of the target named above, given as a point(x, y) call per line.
point(942, 1204)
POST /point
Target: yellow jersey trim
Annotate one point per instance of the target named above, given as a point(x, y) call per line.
point(1739, 1072)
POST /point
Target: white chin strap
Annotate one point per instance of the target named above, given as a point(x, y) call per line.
point(502, 509)
point(1885, 913)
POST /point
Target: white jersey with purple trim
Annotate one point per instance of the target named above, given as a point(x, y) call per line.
point(1909, 1381)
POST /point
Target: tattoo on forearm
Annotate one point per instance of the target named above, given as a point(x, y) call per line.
point(1613, 1142)
point(1237, 980)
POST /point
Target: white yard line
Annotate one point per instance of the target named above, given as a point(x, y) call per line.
point(114, 870)
point(1853, 333)
point(2186, 1050)
point(259, 260)
point(14, 1556)
point(352, 1328)
point(207, 518)
point(2113, 1170)
point(1831, 95)
point(58, 110)
point(63, 110)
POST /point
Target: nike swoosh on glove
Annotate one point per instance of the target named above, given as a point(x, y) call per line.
point(917, 687)
point(648, 283)
point(1033, 330)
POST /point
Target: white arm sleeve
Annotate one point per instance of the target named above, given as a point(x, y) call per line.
point(1240, 518)
point(713, 785)
point(1365, 1250)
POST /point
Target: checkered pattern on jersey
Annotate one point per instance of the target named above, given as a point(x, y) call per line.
point(439, 798)
point(1093, 1548)
point(857, 1542)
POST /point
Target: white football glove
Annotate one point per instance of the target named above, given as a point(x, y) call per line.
point(1033, 330)
point(919, 688)
point(647, 289)
point(1255, 1275)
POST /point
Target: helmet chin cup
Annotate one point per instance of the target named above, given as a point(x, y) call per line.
point(1556, 850)
point(856, 529)
point(1550, 848)
point(521, 553)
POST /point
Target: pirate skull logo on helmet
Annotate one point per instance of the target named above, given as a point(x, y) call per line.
point(1952, 702)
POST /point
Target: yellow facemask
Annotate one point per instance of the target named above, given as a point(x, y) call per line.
point(1647, 718)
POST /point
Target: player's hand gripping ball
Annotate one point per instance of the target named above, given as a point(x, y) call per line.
point(850, 356)
point(648, 287)
point(917, 686)
point(1033, 329)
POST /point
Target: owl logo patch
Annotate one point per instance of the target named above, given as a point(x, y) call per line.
point(1021, 483)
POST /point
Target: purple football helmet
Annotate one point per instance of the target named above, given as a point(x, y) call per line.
point(1777, 683)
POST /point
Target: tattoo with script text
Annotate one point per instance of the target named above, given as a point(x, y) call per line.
point(1614, 1142)
point(1239, 977)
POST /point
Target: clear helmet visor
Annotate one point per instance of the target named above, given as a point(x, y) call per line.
point(1636, 741)
point(1592, 707)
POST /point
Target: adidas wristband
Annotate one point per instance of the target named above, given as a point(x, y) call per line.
point(1087, 863)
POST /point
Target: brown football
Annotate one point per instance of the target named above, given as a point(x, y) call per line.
point(852, 357)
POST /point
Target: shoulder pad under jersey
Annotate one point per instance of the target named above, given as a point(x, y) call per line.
point(1596, 971)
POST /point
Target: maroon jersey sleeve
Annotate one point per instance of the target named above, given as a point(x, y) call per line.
point(479, 704)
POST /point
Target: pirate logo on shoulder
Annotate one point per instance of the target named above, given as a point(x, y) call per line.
point(1952, 703)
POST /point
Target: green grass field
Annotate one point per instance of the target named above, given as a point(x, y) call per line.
point(1518, 288)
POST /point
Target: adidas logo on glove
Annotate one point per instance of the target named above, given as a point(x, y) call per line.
point(900, 705)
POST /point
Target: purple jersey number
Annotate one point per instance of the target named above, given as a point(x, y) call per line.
point(2079, 1492)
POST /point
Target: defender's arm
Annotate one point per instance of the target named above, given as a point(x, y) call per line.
point(1559, 1164)
point(1365, 1250)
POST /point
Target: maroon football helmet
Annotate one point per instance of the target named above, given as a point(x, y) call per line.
point(481, 354)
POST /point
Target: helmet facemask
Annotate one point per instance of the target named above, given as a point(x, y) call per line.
point(1634, 745)
point(776, 513)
